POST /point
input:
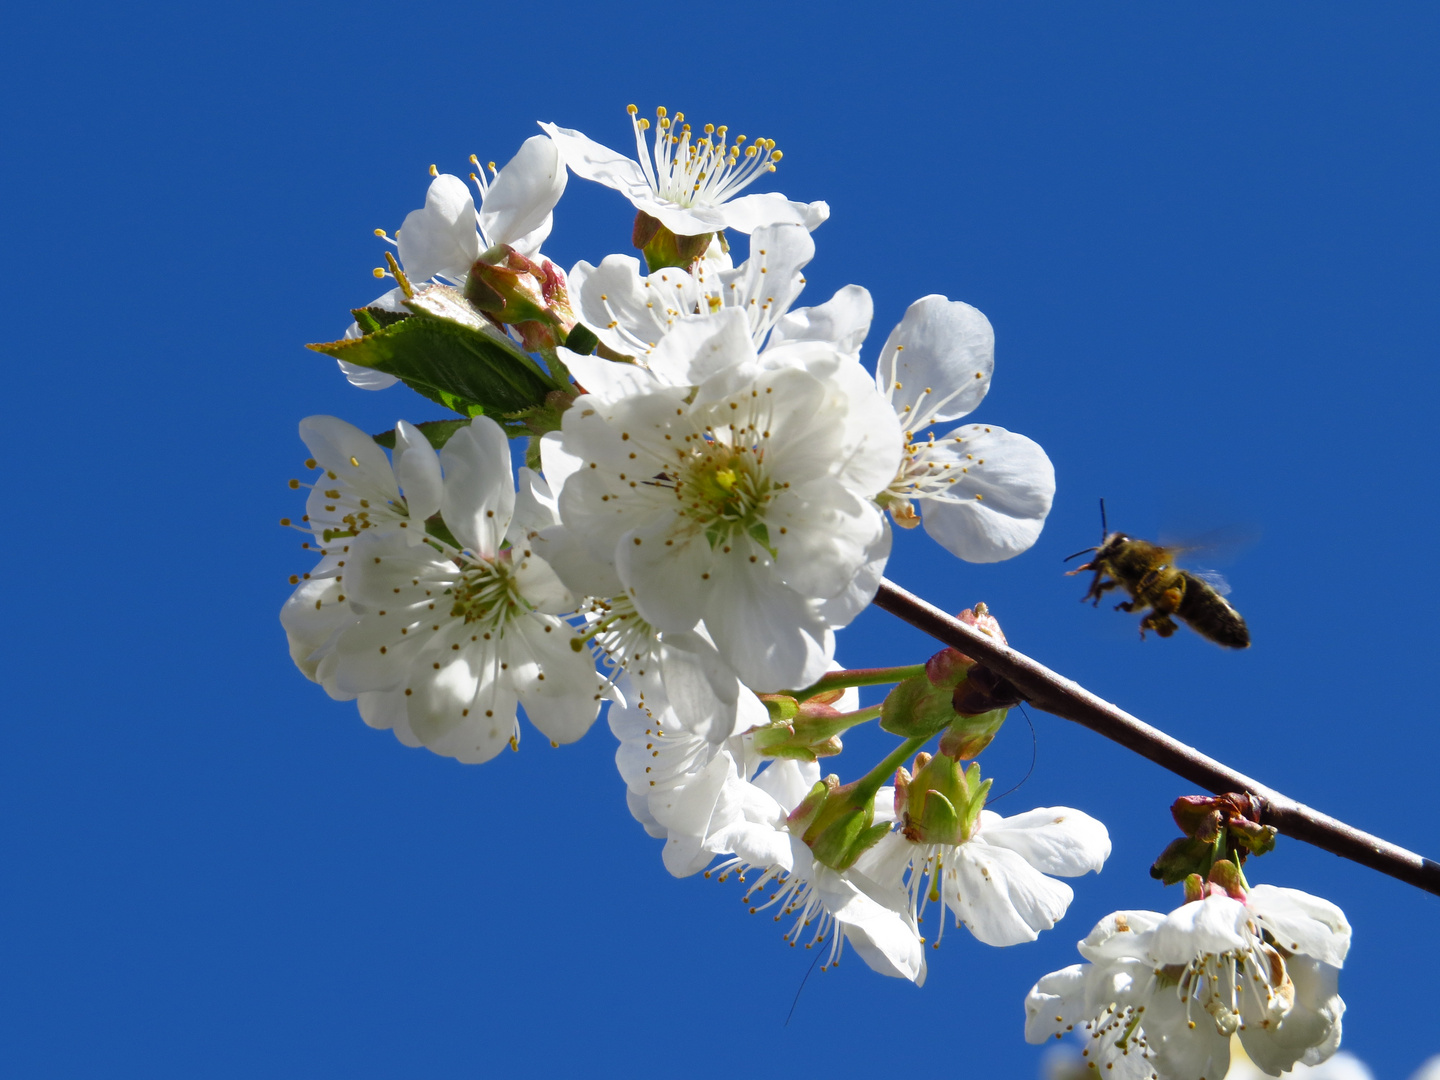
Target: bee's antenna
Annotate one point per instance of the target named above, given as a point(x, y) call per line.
point(1082, 551)
point(1104, 527)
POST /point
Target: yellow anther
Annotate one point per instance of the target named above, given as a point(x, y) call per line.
point(354, 461)
point(434, 171)
point(379, 271)
point(380, 233)
point(725, 478)
point(662, 112)
point(294, 484)
point(311, 463)
point(474, 161)
point(631, 109)
point(644, 124)
point(776, 155)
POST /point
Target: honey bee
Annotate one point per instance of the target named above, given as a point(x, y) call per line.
point(1152, 579)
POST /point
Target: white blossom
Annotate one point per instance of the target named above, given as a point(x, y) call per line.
point(688, 183)
point(357, 492)
point(727, 493)
point(984, 492)
point(444, 642)
point(1161, 995)
point(442, 239)
point(998, 883)
point(827, 904)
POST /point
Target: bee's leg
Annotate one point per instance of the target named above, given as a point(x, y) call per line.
point(1098, 588)
point(1158, 621)
point(1126, 605)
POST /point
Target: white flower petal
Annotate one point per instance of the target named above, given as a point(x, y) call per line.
point(1054, 840)
point(1215, 924)
point(1000, 897)
point(353, 456)
point(1055, 1004)
point(700, 348)
point(441, 237)
point(1120, 934)
point(589, 160)
point(751, 212)
point(479, 494)
point(517, 207)
point(556, 684)
point(770, 634)
point(417, 467)
point(944, 345)
point(1302, 923)
point(840, 610)
point(881, 935)
point(842, 321)
point(1002, 489)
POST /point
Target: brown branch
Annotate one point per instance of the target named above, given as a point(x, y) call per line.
point(1056, 694)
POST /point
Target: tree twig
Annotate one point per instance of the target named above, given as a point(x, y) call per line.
point(1069, 700)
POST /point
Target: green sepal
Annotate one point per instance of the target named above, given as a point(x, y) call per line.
point(939, 817)
point(836, 843)
point(581, 340)
point(781, 707)
point(664, 248)
point(916, 708)
point(467, 369)
point(438, 433)
point(761, 535)
point(1181, 858)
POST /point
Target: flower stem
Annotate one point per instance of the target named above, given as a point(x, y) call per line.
point(840, 680)
point(865, 788)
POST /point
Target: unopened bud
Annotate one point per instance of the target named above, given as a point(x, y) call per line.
point(1226, 875)
point(531, 296)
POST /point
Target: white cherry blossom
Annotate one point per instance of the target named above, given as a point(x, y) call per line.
point(682, 670)
point(631, 311)
point(998, 883)
point(726, 493)
point(984, 492)
point(1162, 995)
point(443, 643)
point(357, 492)
point(688, 183)
point(826, 904)
point(442, 239)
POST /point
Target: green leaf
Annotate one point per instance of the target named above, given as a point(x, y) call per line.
point(438, 432)
point(916, 708)
point(371, 319)
point(466, 368)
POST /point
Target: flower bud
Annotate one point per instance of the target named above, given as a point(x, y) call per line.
point(531, 296)
point(802, 731)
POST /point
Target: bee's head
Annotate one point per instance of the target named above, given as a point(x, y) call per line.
point(1112, 543)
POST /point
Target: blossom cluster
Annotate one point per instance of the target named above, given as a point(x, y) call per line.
point(711, 476)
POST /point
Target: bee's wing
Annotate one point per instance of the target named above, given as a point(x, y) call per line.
point(1215, 580)
point(1216, 545)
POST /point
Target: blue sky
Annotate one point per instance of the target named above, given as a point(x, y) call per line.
point(1207, 238)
